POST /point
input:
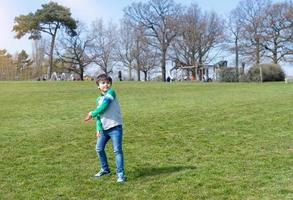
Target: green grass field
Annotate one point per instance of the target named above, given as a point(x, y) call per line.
point(181, 141)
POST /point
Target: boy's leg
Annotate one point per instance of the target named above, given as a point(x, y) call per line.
point(100, 149)
point(116, 136)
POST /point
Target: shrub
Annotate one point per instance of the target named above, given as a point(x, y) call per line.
point(228, 75)
point(244, 78)
point(270, 72)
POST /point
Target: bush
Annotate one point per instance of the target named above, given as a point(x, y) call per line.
point(228, 75)
point(244, 78)
point(270, 72)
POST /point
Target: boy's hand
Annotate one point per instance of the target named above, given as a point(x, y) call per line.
point(99, 134)
point(87, 117)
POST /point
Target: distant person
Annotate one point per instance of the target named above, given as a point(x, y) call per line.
point(109, 126)
point(120, 75)
point(168, 79)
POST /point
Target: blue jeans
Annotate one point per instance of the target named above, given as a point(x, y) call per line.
point(115, 134)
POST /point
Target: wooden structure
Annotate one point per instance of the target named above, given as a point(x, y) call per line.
point(201, 72)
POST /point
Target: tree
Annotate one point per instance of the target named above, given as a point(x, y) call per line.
point(126, 46)
point(75, 51)
point(233, 37)
point(49, 19)
point(38, 56)
point(140, 43)
point(7, 67)
point(23, 61)
point(185, 46)
point(149, 61)
point(5, 54)
point(145, 55)
point(199, 35)
point(103, 45)
point(279, 32)
point(251, 15)
point(159, 17)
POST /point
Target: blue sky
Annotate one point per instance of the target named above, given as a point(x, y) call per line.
point(86, 11)
point(83, 10)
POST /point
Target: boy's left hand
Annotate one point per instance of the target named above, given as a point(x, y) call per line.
point(98, 134)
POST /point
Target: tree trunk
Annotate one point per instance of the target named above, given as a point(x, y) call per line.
point(52, 51)
point(129, 72)
point(81, 73)
point(237, 59)
point(193, 70)
point(275, 52)
point(260, 73)
point(257, 53)
point(145, 76)
point(200, 64)
point(138, 72)
point(163, 64)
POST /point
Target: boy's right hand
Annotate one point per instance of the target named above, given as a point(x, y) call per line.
point(87, 117)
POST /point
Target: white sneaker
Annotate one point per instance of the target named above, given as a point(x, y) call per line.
point(121, 177)
point(102, 172)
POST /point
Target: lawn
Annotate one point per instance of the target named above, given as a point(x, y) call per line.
point(181, 141)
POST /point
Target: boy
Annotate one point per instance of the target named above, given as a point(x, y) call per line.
point(109, 126)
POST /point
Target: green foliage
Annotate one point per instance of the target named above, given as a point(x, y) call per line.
point(181, 141)
point(48, 19)
point(27, 24)
point(7, 67)
point(270, 72)
point(53, 13)
point(4, 54)
point(23, 61)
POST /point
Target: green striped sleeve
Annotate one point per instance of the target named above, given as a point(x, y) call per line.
point(99, 124)
point(108, 97)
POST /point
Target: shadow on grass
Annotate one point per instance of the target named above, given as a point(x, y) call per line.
point(155, 171)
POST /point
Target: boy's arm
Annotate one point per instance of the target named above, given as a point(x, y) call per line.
point(108, 98)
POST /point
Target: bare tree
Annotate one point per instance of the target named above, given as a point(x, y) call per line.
point(146, 56)
point(160, 18)
point(233, 36)
point(126, 45)
point(251, 15)
point(149, 61)
point(75, 51)
point(279, 32)
point(141, 43)
point(38, 56)
point(185, 45)
point(199, 35)
point(103, 45)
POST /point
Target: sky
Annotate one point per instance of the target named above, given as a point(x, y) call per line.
point(86, 11)
point(83, 10)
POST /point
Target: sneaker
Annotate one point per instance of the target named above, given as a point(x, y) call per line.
point(102, 172)
point(121, 177)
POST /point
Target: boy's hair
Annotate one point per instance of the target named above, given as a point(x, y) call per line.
point(103, 77)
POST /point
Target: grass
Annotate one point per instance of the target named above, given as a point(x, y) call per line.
point(181, 141)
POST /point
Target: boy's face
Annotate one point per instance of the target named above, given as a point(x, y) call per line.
point(104, 85)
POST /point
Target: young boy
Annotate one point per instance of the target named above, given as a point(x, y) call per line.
point(109, 126)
